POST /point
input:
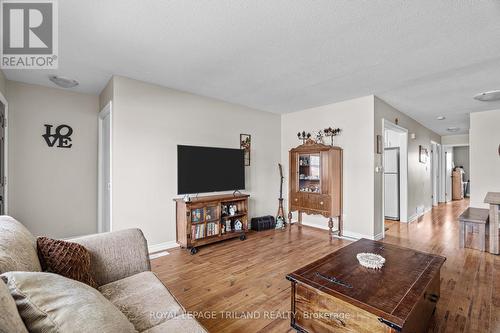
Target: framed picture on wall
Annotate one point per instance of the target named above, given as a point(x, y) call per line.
point(423, 154)
point(246, 144)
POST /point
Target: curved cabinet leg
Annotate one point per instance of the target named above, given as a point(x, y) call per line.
point(289, 218)
point(300, 218)
point(330, 225)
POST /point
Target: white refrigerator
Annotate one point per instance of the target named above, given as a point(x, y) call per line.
point(391, 183)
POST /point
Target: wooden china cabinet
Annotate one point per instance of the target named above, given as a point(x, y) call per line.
point(316, 182)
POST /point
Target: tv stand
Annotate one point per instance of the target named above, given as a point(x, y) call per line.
point(236, 193)
point(208, 219)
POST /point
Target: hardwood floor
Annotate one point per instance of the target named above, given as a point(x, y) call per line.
point(227, 284)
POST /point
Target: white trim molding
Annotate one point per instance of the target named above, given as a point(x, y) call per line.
point(349, 235)
point(162, 246)
point(3, 100)
point(355, 236)
point(107, 110)
point(416, 216)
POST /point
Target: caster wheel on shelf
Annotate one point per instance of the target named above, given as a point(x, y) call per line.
point(194, 250)
point(243, 237)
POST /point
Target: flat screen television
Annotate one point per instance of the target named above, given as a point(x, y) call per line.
point(208, 169)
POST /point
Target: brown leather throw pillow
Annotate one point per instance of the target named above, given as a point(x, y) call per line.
point(68, 259)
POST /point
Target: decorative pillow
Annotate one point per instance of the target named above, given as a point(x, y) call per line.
point(52, 303)
point(68, 259)
point(10, 321)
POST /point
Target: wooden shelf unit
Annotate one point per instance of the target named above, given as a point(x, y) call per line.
point(196, 217)
point(315, 185)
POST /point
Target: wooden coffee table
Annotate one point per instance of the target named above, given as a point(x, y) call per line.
point(337, 294)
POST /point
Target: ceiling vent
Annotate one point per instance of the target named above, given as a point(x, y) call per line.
point(63, 82)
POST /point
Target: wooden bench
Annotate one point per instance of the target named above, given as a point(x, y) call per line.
point(493, 198)
point(474, 217)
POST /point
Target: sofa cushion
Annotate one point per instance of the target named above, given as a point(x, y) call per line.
point(116, 255)
point(52, 303)
point(143, 299)
point(10, 321)
point(17, 247)
point(183, 323)
point(68, 259)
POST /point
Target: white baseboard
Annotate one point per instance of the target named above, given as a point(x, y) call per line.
point(356, 235)
point(346, 233)
point(318, 226)
point(162, 246)
point(415, 216)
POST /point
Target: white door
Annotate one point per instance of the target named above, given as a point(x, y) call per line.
point(448, 156)
point(105, 188)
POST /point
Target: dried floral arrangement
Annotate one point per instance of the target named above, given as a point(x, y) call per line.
point(319, 135)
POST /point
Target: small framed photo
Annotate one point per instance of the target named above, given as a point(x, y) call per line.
point(246, 144)
point(423, 154)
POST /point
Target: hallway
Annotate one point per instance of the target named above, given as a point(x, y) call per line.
point(470, 279)
point(255, 281)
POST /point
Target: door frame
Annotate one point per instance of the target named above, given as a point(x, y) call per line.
point(3, 100)
point(403, 169)
point(447, 178)
point(107, 110)
point(435, 148)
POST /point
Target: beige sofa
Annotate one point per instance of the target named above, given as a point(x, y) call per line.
point(122, 270)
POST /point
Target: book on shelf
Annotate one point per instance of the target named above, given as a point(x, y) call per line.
point(197, 231)
point(197, 215)
point(212, 229)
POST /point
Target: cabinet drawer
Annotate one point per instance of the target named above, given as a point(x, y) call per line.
point(295, 200)
point(320, 202)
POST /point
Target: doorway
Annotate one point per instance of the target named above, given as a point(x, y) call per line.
point(395, 172)
point(3, 155)
point(105, 188)
point(392, 200)
point(455, 164)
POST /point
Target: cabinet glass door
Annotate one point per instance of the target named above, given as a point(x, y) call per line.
point(309, 173)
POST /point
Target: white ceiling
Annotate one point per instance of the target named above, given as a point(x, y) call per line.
point(425, 57)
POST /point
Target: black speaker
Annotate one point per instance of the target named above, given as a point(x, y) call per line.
point(263, 223)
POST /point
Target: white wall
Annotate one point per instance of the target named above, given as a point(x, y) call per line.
point(355, 118)
point(52, 190)
point(454, 140)
point(419, 174)
point(149, 122)
point(484, 159)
